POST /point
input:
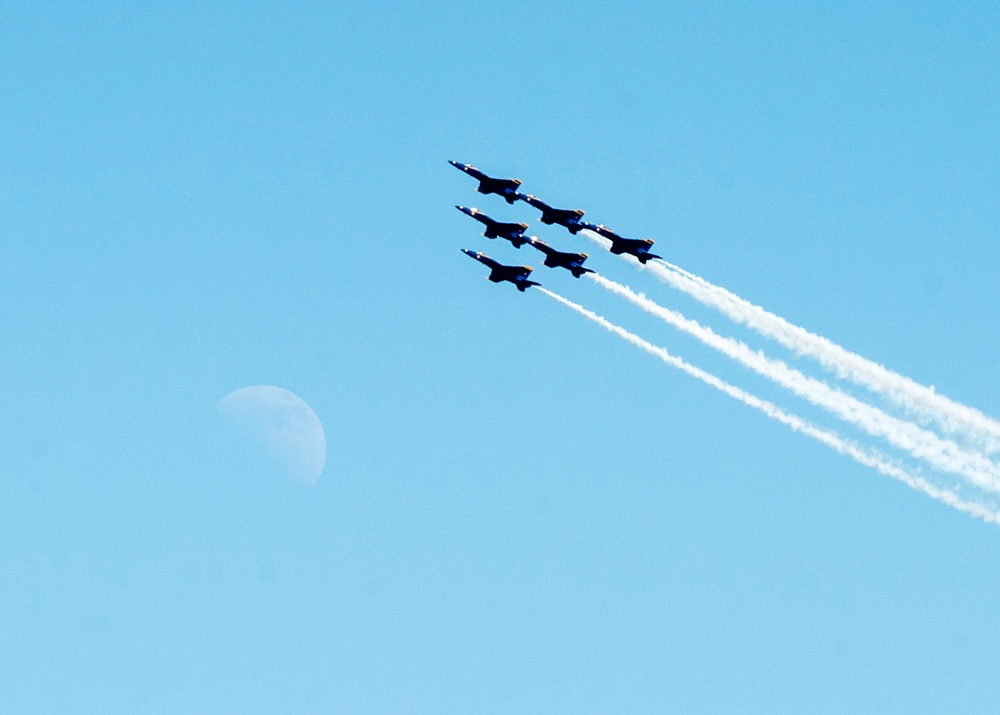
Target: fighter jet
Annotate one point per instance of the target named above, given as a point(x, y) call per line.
point(570, 218)
point(513, 232)
point(638, 247)
point(507, 188)
point(518, 275)
point(572, 262)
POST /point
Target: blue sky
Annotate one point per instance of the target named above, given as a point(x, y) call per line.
point(519, 512)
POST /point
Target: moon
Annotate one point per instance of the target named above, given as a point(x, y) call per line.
point(284, 424)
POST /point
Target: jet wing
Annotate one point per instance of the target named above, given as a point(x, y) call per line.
point(509, 273)
point(515, 229)
point(506, 184)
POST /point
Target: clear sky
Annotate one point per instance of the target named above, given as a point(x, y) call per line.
point(519, 512)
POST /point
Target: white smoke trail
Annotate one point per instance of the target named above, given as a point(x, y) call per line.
point(797, 424)
point(919, 401)
point(940, 453)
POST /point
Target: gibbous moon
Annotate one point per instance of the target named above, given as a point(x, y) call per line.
point(284, 424)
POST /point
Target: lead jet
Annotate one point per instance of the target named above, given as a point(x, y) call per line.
point(518, 275)
point(572, 262)
point(513, 232)
point(507, 188)
point(638, 247)
point(570, 218)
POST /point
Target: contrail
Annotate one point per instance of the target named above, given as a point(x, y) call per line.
point(917, 400)
point(797, 424)
point(940, 453)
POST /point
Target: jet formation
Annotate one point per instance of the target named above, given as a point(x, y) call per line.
point(570, 219)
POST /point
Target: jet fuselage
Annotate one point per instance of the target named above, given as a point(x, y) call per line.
point(573, 262)
point(513, 232)
point(506, 188)
point(637, 247)
point(569, 218)
point(518, 275)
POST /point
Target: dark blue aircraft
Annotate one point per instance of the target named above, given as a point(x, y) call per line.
point(638, 247)
point(570, 218)
point(507, 188)
point(518, 275)
point(572, 262)
point(513, 232)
